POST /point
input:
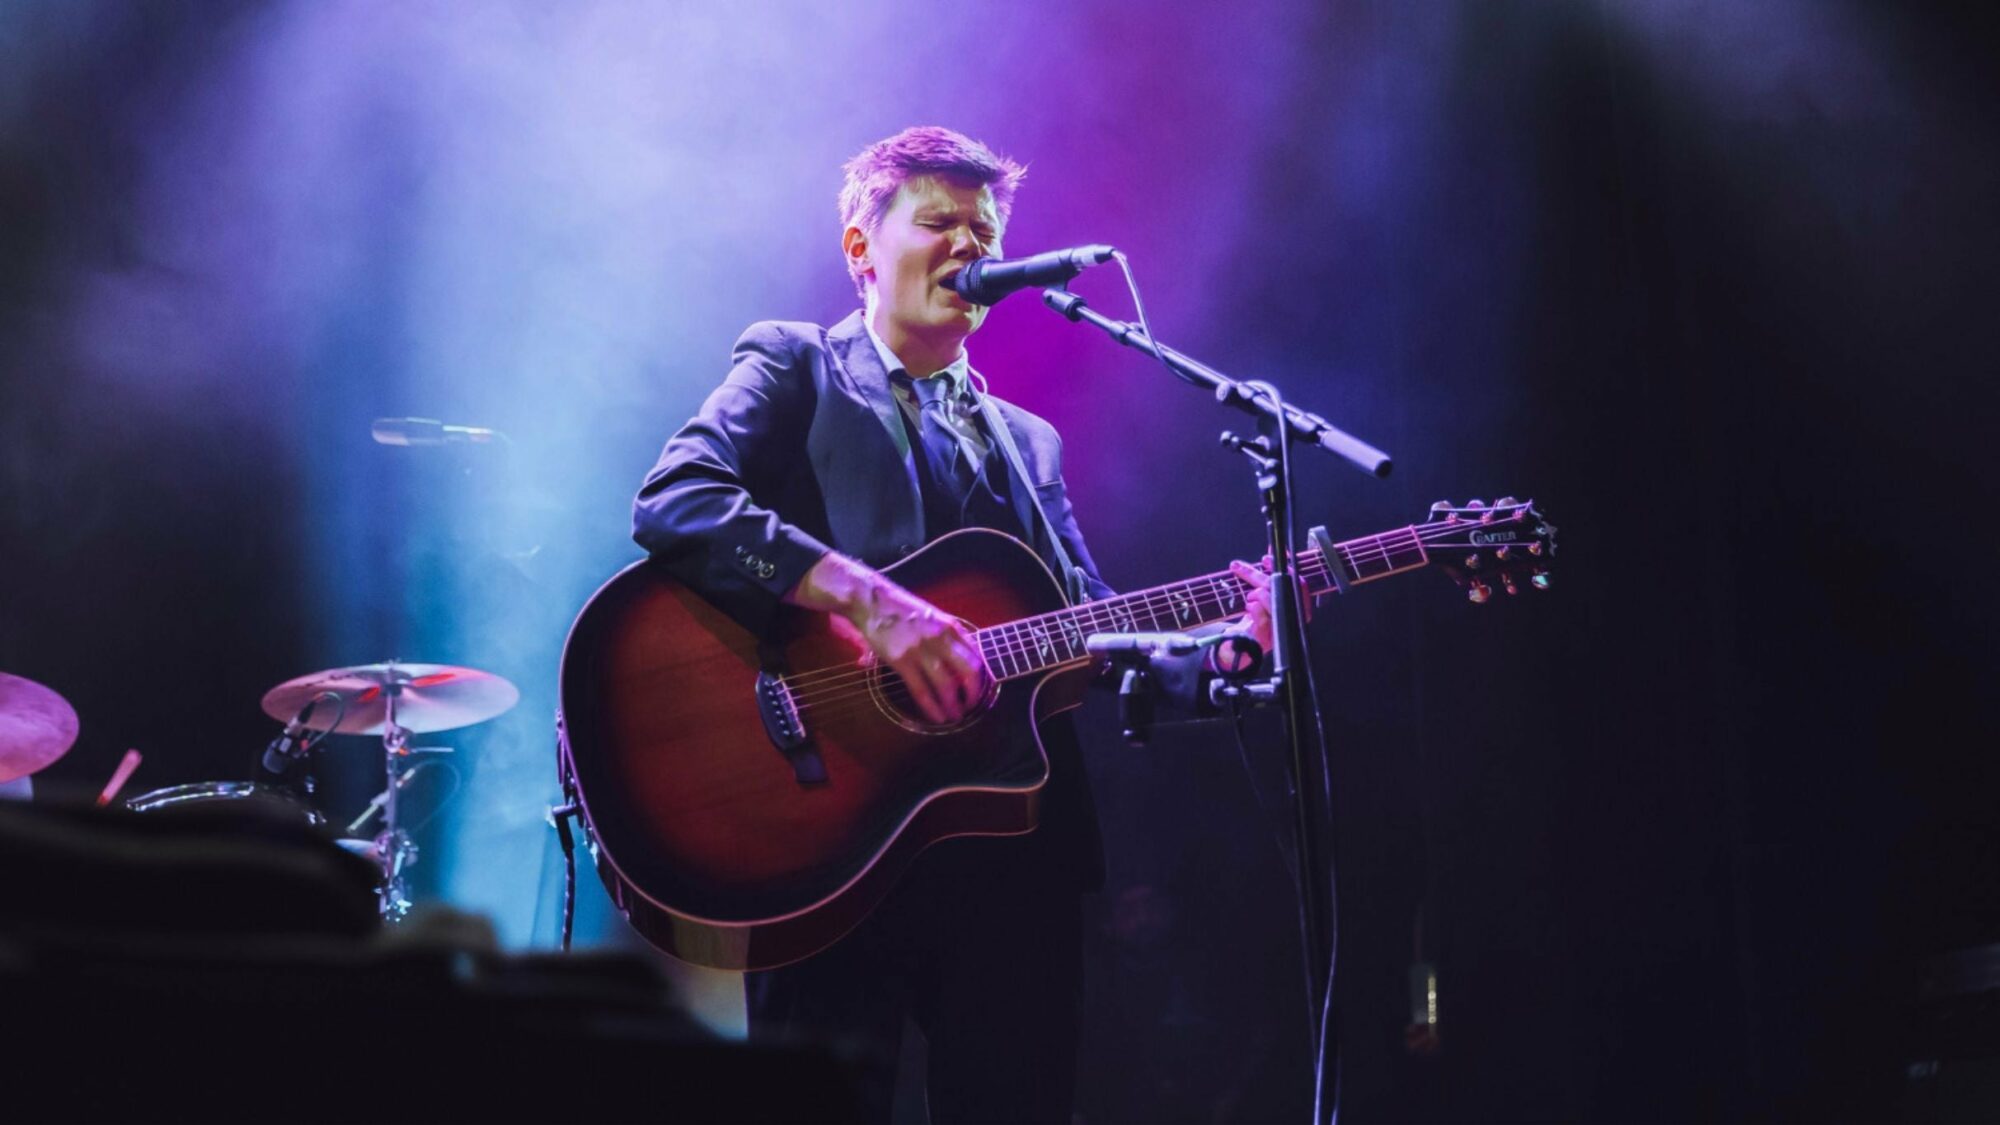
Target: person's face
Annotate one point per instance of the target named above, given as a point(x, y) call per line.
point(934, 226)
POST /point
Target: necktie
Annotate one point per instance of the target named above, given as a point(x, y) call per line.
point(950, 467)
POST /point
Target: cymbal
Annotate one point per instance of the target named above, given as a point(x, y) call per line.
point(429, 697)
point(37, 726)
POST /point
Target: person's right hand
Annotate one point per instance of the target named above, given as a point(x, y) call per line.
point(933, 653)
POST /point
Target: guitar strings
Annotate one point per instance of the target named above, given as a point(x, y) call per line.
point(1149, 603)
point(819, 688)
point(811, 685)
point(1010, 639)
point(1312, 564)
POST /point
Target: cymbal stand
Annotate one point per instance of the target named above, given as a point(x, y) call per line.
point(393, 848)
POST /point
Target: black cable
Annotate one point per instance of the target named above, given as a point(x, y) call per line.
point(1145, 326)
point(1271, 817)
point(340, 716)
point(437, 806)
point(1326, 817)
point(561, 816)
point(307, 743)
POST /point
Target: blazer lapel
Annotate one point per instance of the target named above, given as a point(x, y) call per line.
point(868, 381)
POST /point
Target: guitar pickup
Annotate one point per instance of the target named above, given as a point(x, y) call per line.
point(786, 730)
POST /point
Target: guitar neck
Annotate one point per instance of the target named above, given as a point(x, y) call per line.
point(1036, 644)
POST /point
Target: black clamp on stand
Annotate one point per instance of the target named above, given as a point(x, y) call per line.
point(291, 760)
point(1135, 701)
point(1233, 689)
point(1133, 654)
point(1201, 688)
point(1280, 426)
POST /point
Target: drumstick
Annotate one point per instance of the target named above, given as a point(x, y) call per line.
point(119, 777)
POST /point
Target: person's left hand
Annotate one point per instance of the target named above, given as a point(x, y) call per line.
point(1256, 622)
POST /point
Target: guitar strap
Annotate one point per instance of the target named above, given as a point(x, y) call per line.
point(1073, 583)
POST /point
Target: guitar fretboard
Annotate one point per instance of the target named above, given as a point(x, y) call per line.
point(1037, 644)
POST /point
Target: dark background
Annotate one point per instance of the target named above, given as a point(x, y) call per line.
point(1711, 282)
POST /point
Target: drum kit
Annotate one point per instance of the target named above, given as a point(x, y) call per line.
point(391, 701)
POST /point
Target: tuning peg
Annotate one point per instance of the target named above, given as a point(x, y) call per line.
point(1507, 581)
point(1475, 503)
point(1472, 561)
point(1501, 553)
point(1479, 592)
point(1535, 547)
point(1440, 506)
point(1505, 502)
point(1540, 580)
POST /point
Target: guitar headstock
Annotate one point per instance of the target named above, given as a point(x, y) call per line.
point(1505, 545)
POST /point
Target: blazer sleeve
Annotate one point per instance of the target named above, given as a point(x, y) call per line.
point(703, 511)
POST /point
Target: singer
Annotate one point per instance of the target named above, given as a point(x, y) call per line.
point(827, 453)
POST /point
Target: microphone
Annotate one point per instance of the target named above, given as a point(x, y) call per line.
point(987, 280)
point(278, 755)
point(1150, 646)
point(429, 431)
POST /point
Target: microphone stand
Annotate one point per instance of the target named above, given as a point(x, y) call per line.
point(1277, 423)
point(1251, 398)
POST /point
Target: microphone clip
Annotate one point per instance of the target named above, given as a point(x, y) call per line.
point(292, 744)
point(281, 754)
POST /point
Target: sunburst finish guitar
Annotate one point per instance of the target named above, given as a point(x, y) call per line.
point(749, 799)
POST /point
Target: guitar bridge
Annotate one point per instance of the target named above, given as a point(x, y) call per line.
point(786, 730)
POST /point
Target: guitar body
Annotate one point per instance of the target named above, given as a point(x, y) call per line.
point(750, 799)
point(725, 848)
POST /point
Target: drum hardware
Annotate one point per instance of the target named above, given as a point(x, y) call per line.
point(298, 745)
point(376, 803)
point(395, 701)
point(119, 776)
point(245, 794)
point(392, 848)
point(37, 726)
point(428, 698)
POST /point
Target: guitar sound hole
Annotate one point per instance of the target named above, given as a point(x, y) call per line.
point(892, 697)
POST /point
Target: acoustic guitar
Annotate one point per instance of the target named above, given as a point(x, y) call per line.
point(748, 799)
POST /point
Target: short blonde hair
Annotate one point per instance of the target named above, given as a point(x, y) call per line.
point(877, 172)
